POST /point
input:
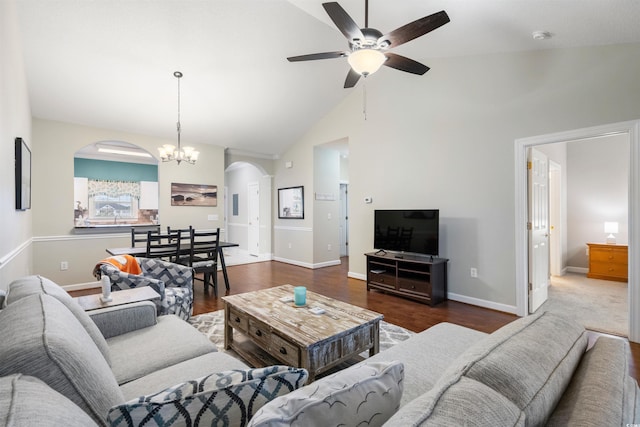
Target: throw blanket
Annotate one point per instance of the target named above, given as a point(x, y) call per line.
point(125, 263)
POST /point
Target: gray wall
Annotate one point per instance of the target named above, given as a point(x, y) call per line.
point(446, 140)
point(598, 191)
point(15, 121)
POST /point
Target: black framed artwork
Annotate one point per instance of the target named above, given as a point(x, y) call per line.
point(291, 203)
point(23, 175)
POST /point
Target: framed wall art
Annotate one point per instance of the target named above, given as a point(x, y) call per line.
point(23, 175)
point(291, 203)
point(194, 195)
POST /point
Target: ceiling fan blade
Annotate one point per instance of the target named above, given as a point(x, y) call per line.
point(352, 79)
point(343, 21)
point(403, 63)
point(314, 56)
point(414, 29)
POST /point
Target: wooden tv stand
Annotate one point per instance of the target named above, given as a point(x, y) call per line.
point(418, 277)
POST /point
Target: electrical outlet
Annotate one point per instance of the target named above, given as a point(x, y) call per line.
point(212, 217)
point(64, 265)
point(329, 247)
point(289, 245)
point(474, 272)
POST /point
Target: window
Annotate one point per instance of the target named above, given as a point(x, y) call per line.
point(113, 199)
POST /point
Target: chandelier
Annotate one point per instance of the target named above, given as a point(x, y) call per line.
point(170, 152)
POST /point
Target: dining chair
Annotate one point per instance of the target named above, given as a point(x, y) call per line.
point(203, 257)
point(140, 236)
point(185, 237)
point(164, 246)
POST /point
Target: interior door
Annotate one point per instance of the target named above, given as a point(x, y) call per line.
point(538, 225)
point(253, 231)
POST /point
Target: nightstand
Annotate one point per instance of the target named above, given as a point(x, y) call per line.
point(608, 262)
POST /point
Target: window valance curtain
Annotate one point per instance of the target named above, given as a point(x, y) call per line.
point(113, 188)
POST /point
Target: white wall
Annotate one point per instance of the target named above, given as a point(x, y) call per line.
point(15, 121)
point(598, 191)
point(446, 140)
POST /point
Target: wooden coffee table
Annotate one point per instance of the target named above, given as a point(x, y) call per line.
point(270, 331)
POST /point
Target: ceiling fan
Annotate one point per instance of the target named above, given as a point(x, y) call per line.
point(369, 48)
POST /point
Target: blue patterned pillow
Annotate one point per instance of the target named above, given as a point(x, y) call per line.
point(225, 398)
point(367, 394)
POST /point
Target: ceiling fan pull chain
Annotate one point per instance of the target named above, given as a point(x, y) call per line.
point(364, 97)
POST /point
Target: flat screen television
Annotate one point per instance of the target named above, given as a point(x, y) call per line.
point(407, 230)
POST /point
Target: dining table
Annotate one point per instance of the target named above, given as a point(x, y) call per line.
point(184, 248)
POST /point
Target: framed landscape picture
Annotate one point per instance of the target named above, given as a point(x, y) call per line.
point(23, 175)
point(291, 203)
point(194, 195)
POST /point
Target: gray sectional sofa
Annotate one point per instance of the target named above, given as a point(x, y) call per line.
point(127, 366)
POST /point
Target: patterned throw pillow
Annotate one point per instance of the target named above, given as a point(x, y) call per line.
point(226, 398)
point(367, 394)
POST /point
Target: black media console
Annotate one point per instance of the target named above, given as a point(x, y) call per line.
point(419, 277)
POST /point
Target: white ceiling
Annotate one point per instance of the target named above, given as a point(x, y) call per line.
point(110, 63)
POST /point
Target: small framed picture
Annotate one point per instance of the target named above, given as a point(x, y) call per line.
point(23, 175)
point(291, 203)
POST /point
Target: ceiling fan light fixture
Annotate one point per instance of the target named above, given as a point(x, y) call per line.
point(366, 61)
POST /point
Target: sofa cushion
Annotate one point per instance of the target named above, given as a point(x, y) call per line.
point(31, 285)
point(225, 398)
point(184, 371)
point(186, 342)
point(26, 401)
point(595, 396)
point(41, 338)
point(459, 402)
point(440, 345)
point(529, 361)
point(365, 394)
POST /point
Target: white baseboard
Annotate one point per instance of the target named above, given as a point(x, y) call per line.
point(580, 270)
point(308, 265)
point(483, 303)
point(358, 276)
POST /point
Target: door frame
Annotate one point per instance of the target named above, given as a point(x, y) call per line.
point(253, 202)
point(556, 268)
point(631, 128)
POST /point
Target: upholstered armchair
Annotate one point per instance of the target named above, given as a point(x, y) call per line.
point(174, 283)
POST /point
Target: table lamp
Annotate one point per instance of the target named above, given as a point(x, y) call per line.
point(611, 228)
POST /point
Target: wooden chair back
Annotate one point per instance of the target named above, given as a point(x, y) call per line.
point(165, 246)
point(203, 256)
point(140, 236)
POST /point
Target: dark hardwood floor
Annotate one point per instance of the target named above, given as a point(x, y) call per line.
point(333, 282)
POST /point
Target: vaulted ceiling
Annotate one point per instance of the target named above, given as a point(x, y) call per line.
point(110, 63)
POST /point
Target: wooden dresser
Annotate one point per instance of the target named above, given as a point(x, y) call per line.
point(608, 262)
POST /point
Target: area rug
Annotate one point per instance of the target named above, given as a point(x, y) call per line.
point(600, 305)
point(212, 326)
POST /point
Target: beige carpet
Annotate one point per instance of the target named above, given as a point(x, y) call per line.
point(600, 305)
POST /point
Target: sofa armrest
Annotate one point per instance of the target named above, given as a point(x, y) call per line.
point(121, 319)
